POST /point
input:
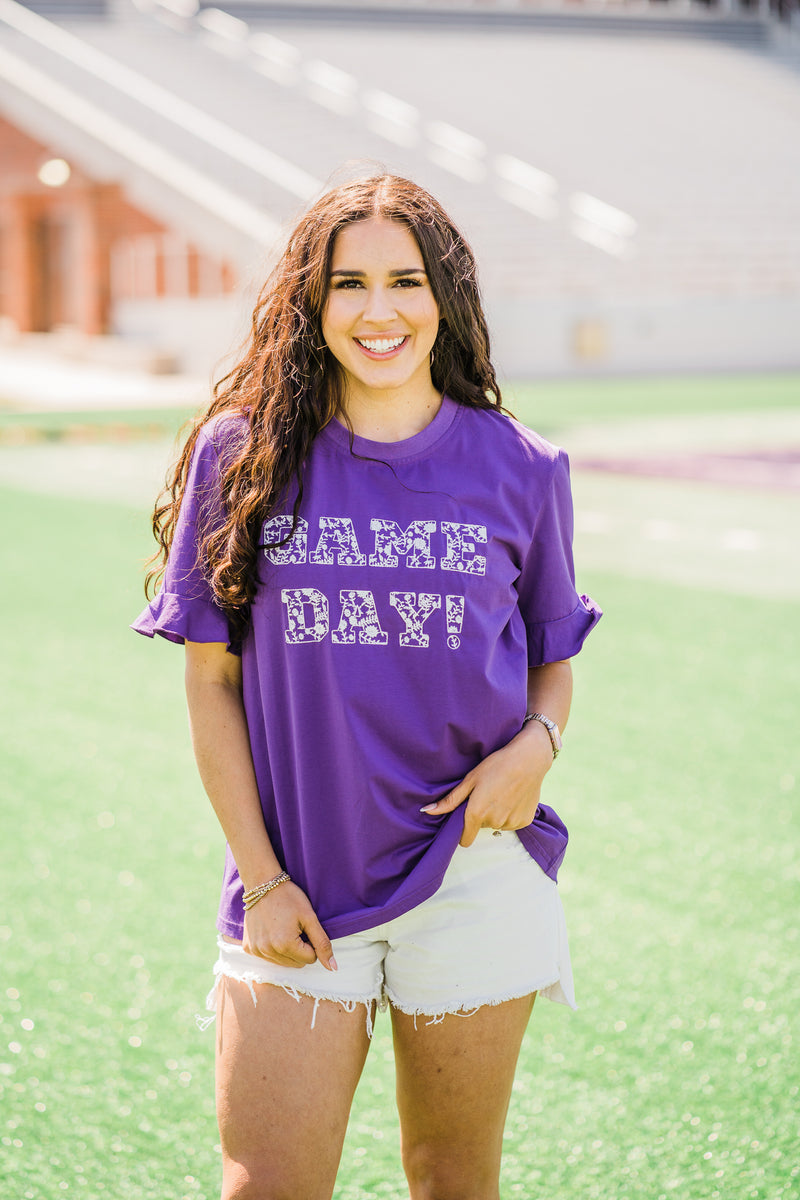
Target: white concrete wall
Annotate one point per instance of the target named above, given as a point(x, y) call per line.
point(199, 332)
point(531, 338)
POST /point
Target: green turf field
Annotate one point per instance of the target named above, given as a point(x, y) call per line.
point(673, 1080)
point(551, 406)
point(558, 404)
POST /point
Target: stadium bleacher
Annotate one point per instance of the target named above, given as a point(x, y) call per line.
point(632, 196)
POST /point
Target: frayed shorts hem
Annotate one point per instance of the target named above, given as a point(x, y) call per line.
point(379, 1003)
point(348, 1003)
point(494, 931)
point(468, 1008)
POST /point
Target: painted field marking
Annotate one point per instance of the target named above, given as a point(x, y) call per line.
point(662, 531)
point(591, 521)
point(741, 539)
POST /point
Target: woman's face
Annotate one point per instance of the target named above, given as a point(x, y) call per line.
point(381, 318)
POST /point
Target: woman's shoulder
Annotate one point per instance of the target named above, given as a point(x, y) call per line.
point(224, 432)
point(503, 435)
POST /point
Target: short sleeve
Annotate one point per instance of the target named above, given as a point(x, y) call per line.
point(557, 619)
point(185, 607)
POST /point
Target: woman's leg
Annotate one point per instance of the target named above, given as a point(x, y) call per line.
point(284, 1090)
point(453, 1087)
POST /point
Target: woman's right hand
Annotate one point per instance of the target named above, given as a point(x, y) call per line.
point(274, 928)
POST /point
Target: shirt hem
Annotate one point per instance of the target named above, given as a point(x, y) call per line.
point(345, 925)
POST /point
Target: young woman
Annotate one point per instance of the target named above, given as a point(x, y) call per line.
point(370, 565)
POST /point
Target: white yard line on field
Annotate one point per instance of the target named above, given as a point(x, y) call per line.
point(694, 534)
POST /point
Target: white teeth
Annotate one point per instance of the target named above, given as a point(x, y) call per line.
point(380, 345)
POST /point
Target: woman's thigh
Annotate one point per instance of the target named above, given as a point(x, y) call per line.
point(284, 1091)
point(454, 1081)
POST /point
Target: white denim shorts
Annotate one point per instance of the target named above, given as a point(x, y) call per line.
point(494, 931)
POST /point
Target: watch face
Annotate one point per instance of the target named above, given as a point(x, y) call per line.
point(552, 729)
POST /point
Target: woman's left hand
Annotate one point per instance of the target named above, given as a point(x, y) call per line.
point(502, 792)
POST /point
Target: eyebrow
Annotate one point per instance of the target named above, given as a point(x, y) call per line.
point(392, 274)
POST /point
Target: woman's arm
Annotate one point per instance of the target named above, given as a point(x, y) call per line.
point(273, 927)
point(503, 791)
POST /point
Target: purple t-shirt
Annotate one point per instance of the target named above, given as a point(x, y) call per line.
point(388, 647)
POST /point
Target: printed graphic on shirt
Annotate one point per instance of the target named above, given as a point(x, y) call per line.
point(414, 543)
point(306, 614)
point(308, 617)
point(455, 619)
point(278, 528)
point(415, 613)
point(461, 550)
point(338, 544)
point(420, 546)
point(359, 616)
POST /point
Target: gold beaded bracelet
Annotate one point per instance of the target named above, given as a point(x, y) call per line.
point(255, 894)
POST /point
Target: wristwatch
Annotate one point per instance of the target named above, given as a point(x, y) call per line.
point(552, 729)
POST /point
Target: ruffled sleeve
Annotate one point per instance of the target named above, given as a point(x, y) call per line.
point(180, 618)
point(185, 607)
point(557, 619)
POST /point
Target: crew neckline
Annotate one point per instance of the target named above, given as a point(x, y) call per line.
point(338, 435)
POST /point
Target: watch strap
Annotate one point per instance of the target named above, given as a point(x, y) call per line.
point(554, 733)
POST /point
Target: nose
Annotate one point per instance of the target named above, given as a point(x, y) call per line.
point(379, 306)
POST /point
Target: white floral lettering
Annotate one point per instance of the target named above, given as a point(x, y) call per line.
point(359, 615)
point(414, 543)
point(298, 601)
point(462, 552)
point(415, 613)
point(454, 616)
point(275, 530)
point(338, 542)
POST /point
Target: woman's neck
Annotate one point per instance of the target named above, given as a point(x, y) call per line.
point(390, 418)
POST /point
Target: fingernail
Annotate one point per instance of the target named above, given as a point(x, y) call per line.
point(428, 808)
point(332, 964)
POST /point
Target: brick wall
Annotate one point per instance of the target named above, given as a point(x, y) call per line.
point(68, 252)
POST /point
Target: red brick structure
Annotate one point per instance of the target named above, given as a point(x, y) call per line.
point(68, 252)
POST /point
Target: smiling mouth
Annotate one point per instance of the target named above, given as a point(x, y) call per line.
point(381, 347)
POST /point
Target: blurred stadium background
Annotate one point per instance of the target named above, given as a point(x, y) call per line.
point(629, 173)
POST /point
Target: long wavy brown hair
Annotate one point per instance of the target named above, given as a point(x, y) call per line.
point(288, 386)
